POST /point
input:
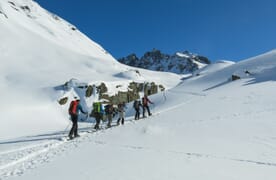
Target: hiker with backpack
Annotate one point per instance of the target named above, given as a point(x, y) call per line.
point(136, 105)
point(110, 112)
point(74, 110)
point(145, 103)
point(121, 110)
point(97, 112)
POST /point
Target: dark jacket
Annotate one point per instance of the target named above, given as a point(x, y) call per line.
point(137, 104)
point(145, 101)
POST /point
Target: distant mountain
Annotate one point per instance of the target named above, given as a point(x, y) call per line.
point(180, 62)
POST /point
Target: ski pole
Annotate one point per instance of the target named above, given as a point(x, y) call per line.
point(165, 97)
point(153, 108)
point(67, 126)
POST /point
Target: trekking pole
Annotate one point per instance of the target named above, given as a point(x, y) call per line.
point(58, 135)
point(164, 95)
point(87, 116)
point(67, 126)
point(153, 108)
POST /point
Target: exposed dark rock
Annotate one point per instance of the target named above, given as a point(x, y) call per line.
point(247, 72)
point(133, 92)
point(12, 3)
point(89, 91)
point(55, 17)
point(184, 62)
point(3, 14)
point(25, 8)
point(235, 77)
point(63, 101)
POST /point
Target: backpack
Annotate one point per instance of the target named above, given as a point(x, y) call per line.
point(144, 101)
point(73, 107)
point(97, 107)
point(121, 107)
point(108, 109)
point(136, 104)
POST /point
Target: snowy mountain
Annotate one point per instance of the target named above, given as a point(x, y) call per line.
point(208, 126)
point(180, 63)
point(40, 51)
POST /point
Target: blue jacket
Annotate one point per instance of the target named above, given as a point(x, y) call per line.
point(79, 108)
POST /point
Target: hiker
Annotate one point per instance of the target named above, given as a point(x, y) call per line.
point(121, 110)
point(74, 110)
point(145, 101)
point(97, 112)
point(136, 105)
point(110, 112)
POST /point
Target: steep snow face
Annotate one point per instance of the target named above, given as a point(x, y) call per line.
point(38, 41)
point(47, 25)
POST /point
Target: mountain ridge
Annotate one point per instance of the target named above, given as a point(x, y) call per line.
point(179, 62)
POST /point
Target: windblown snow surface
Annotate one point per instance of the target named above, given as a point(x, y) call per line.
point(204, 128)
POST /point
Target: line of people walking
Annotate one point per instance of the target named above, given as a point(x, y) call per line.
point(144, 105)
point(106, 113)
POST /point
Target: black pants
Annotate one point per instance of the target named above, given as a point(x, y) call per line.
point(137, 113)
point(118, 121)
point(98, 120)
point(74, 129)
point(146, 107)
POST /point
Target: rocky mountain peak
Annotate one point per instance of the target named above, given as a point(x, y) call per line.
point(179, 62)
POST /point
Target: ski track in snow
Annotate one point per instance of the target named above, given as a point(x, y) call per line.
point(15, 162)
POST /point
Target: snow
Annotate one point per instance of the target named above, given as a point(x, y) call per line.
point(33, 61)
point(204, 127)
point(214, 67)
point(183, 55)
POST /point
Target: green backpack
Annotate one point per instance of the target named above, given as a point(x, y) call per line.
point(96, 108)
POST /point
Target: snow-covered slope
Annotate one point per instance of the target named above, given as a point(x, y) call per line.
point(40, 51)
point(219, 65)
point(255, 67)
point(208, 127)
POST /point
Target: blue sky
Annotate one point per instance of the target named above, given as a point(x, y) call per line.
point(218, 29)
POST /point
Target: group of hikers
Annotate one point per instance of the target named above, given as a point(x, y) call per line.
point(101, 112)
